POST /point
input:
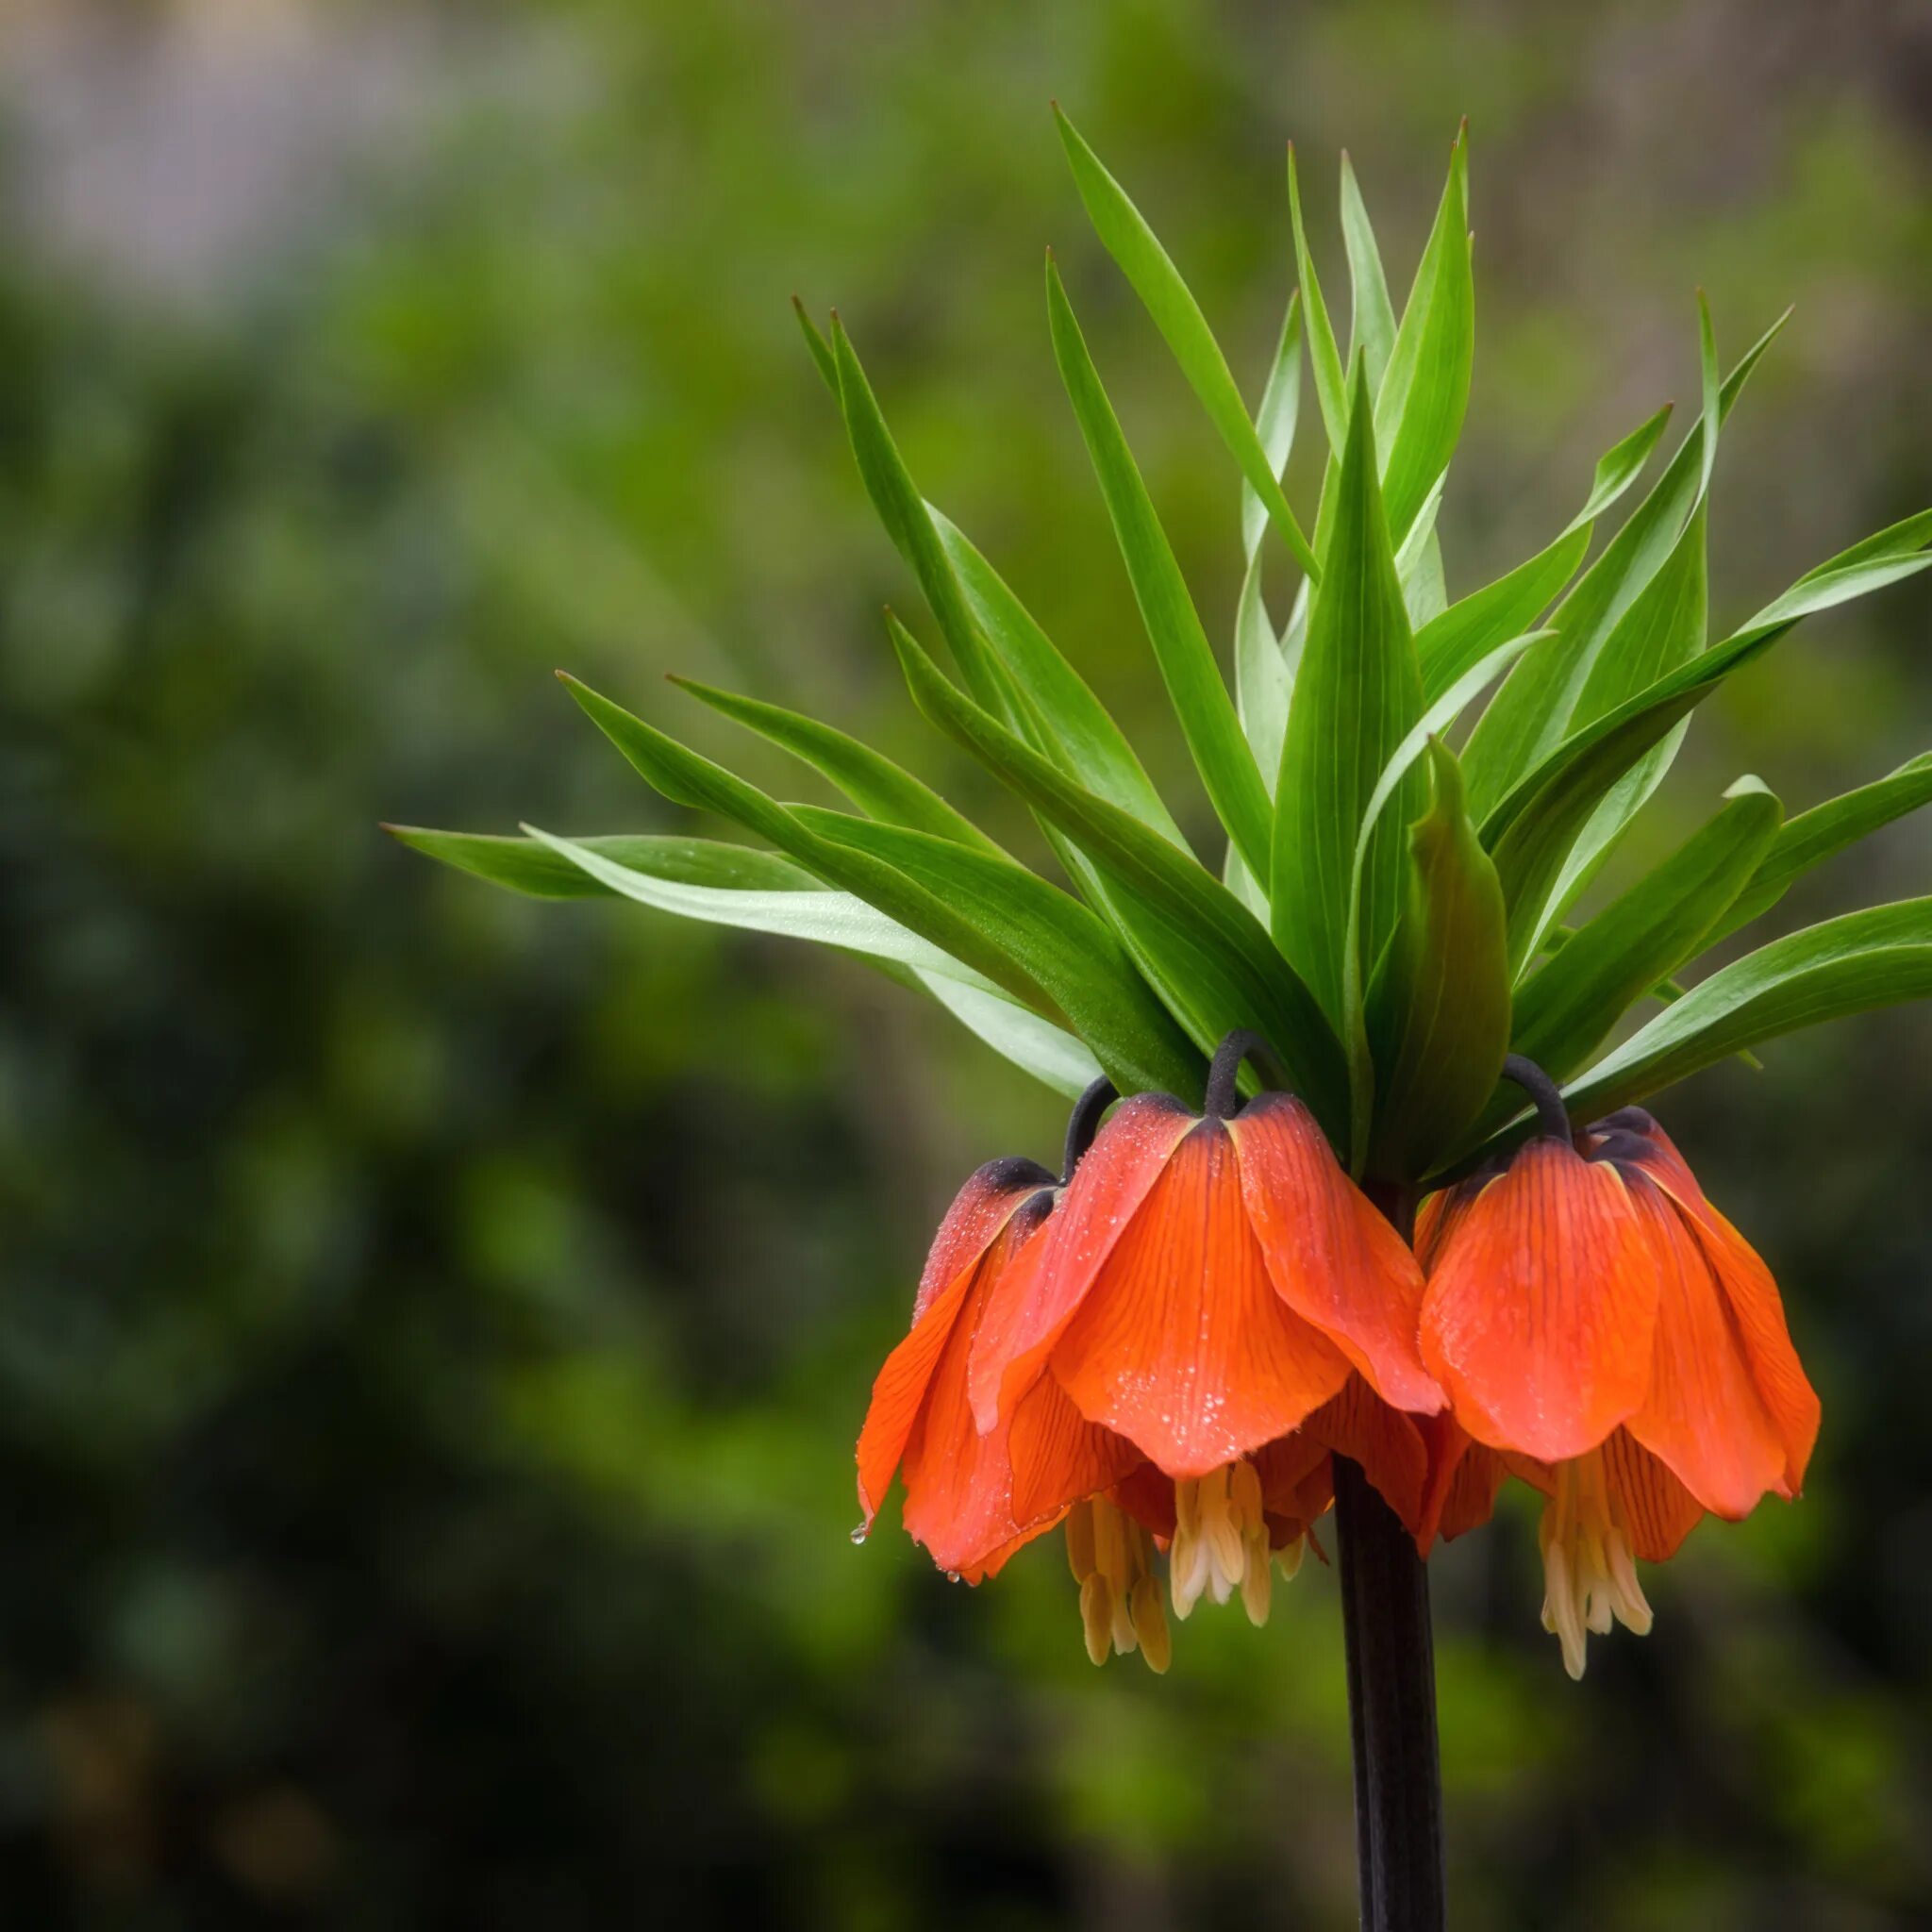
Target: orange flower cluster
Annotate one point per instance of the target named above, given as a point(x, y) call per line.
point(1164, 1351)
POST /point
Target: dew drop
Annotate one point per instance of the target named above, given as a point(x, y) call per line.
point(859, 1535)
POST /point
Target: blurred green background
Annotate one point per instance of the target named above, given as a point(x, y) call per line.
point(434, 1326)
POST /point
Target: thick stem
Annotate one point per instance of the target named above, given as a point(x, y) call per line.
point(1391, 1695)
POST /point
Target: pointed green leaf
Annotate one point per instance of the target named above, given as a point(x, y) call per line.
point(822, 355)
point(1568, 1006)
point(1324, 358)
point(1058, 942)
point(902, 511)
point(1036, 1046)
point(1439, 1020)
point(1535, 712)
point(1356, 692)
point(1178, 317)
point(1215, 958)
point(1074, 728)
point(1814, 836)
point(1619, 467)
point(524, 865)
point(1261, 678)
point(686, 777)
point(1850, 965)
point(1372, 314)
point(828, 919)
point(1201, 703)
point(872, 781)
point(1420, 408)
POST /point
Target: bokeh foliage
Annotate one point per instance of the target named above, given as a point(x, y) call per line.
point(433, 1327)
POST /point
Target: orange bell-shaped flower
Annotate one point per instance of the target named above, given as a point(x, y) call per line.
point(1215, 1298)
point(1604, 1332)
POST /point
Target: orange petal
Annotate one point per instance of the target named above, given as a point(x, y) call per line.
point(1702, 1417)
point(1182, 1344)
point(1386, 1442)
point(1333, 1260)
point(979, 1211)
point(1658, 1510)
point(1059, 1458)
point(1148, 1496)
point(1759, 1310)
point(958, 1483)
point(898, 1394)
point(1296, 1480)
point(1540, 1314)
point(1030, 1309)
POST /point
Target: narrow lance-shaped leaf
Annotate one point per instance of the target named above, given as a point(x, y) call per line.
point(1439, 1019)
point(1572, 1002)
point(1058, 942)
point(1532, 829)
point(1200, 699)
point(1260, 671)
point(1532, 714)
point(1849, 965)
point(1420, 408)
point(1814, 836)
point(527, 865)
point(686, 777)
point(872, 781)
point(1372, 313)
point(1212, 951)
point(1397, 776)
point(1177, 315)
point(1465, 632)
point(1356, 692)
point(1324, 358)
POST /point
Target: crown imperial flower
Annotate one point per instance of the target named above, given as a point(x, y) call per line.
point(1602, 1330)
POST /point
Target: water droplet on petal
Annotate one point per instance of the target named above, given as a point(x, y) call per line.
point(859, 1535)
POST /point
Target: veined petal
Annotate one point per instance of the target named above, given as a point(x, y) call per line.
point(1182, 1344)
point(1059, 1457)
point(1702, 1417)
point(899, 1391)
point(1385, 1442)
point(1030, 1307)
point(1464, 1477)
point(1658, 1512)
point(1333, 1260)
point(1759, 1311)
point(1539, 1315)
point(979, 1211)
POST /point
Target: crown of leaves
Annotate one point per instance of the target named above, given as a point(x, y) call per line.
point(1388, 912)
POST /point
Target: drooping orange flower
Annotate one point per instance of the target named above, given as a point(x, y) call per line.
point(1602, 1332)
point(1211, 1312)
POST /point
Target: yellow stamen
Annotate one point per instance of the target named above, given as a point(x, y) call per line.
point(1221, 1542)
point(1113, 1559)
point(1588, 1577)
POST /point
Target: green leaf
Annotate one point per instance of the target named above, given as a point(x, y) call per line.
point(1218, 971)
point(1464, 633)
point(1356, 692)
point(688, 778)
point(524, 865)
point(1057, 939)
point(1535, 712)
point(1849, 965)
point(826, 919)
point(1396, 776)
point(1439, 1020)
point(1261, 678)
point(1420, 408)
point(872, 781)
point(821, 355)
point(1208, 718)
point(902, 511)
point(1036, 1046)
point(1568, 1006)
point(1065, 720)
point(1178, 317)
point(1372, 314)
point(1814, 836)
point(1324, 358)
point(1531, 831)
